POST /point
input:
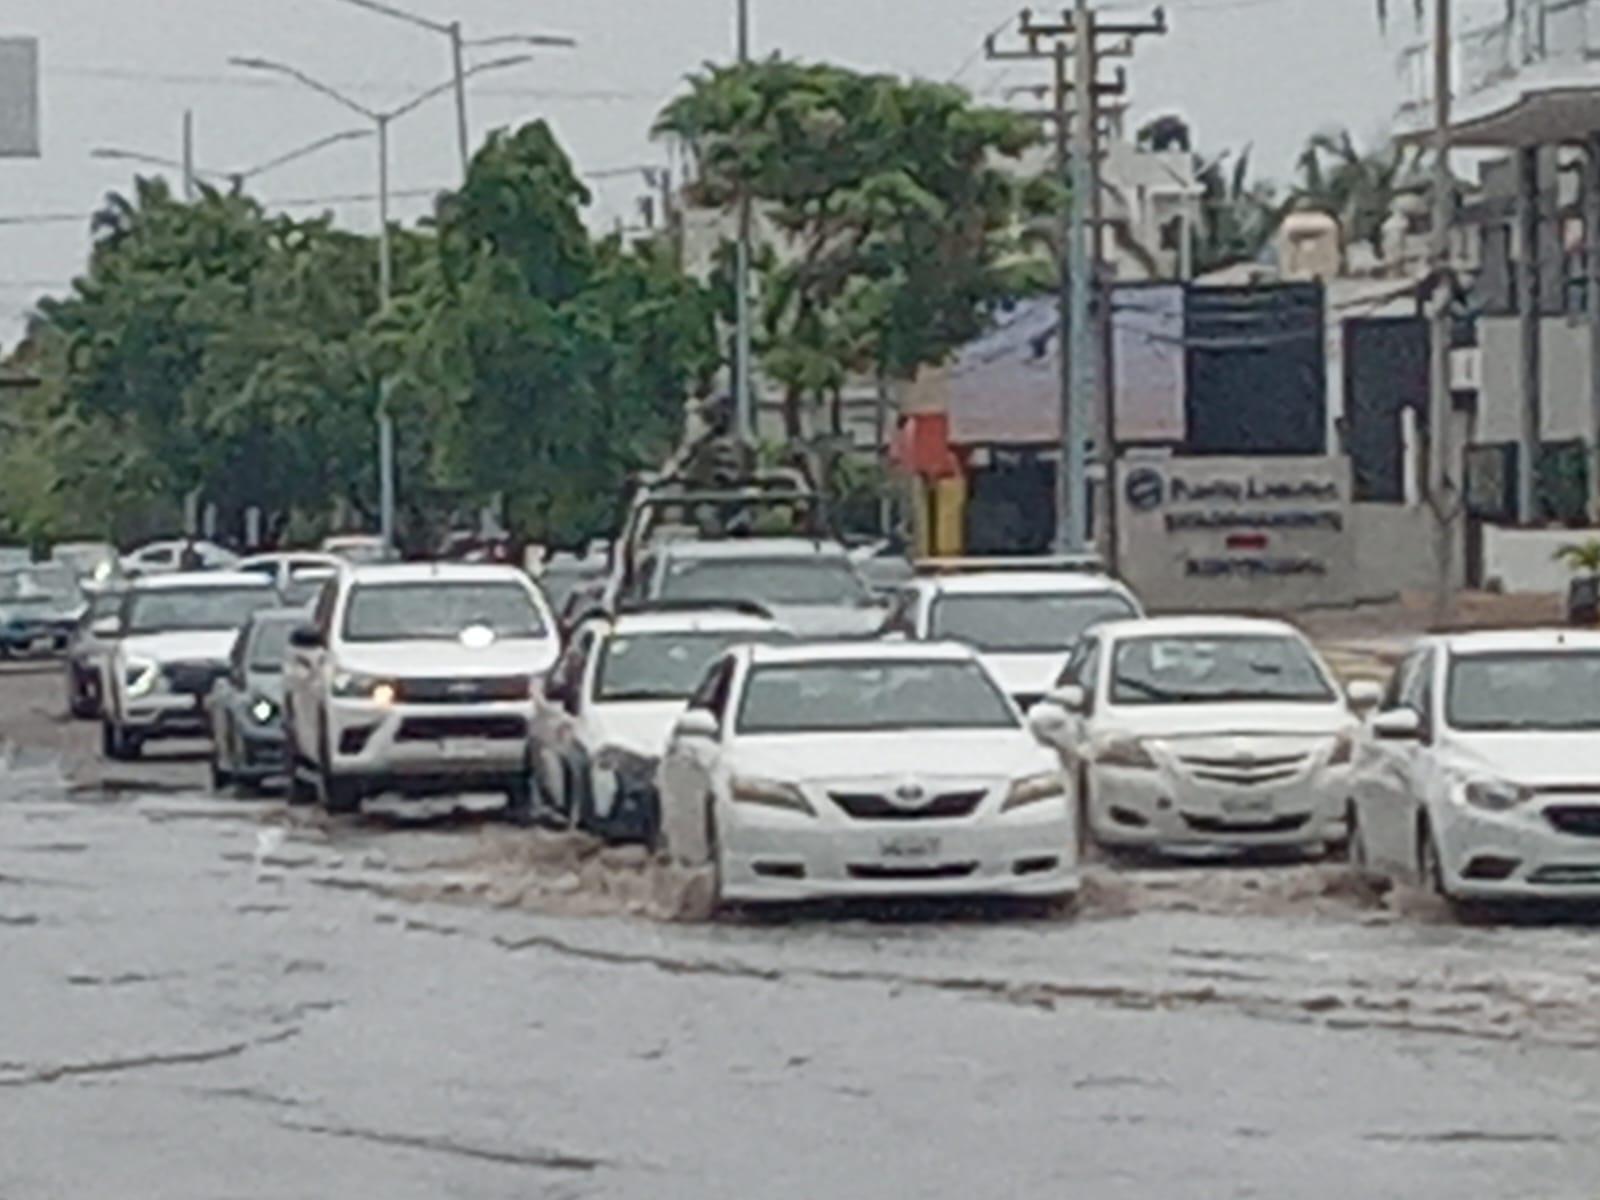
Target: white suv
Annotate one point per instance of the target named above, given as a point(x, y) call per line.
point(174, 635)
point(416, 678)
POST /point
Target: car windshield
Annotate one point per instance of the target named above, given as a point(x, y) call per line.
point(1555, 690)
point(872, 696)
point(269, 645)
point(304, 586)
point(41, 587)
point(164, 610)
point(794, 580)
point(391, 612)
point(1210, 669)
point(663, 666)
point(1025, 623)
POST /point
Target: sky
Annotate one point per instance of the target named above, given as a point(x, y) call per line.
point(120, 74)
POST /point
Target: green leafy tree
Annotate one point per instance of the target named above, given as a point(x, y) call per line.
point(1357, 189)
point(897, 222)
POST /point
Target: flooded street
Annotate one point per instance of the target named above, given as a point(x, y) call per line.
point(211, 997)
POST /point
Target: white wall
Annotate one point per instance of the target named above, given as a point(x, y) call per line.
point(1523, 560)
point(1564, 345)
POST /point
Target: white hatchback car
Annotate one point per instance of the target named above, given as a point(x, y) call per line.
point(416, 678)
point(1204, 731)
point(602, 720)
point(841, 769)
point(1023, 623)
point(1480, 773)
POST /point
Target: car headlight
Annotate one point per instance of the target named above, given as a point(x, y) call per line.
point(771, 794)
point(1030, 789)
point(625, 763)
point(139, 677)
point(1495, 795)
point(355, 685)
point(1343, 751)
point(263, 710)
point(1128, 752)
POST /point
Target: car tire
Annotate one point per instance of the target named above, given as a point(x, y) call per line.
point(338, 796)
point(300, 791)
point(118, 744)
point(520, 797)
point(1089, 849)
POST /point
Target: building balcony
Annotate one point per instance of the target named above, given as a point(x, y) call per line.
point(1532, 78)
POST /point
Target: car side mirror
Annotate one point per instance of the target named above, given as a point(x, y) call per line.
point(106, 627)
point(1364, 695)
point(1398, 725)
point(1069, 696)
point(696, 724)
point(1049, 722)
point(306, 637)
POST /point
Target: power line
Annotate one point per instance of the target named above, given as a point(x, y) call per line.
point(216, 79)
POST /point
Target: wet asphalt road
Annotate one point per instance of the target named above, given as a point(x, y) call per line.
point(206, 997)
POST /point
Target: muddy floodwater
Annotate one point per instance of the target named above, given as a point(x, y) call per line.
point(210, 997)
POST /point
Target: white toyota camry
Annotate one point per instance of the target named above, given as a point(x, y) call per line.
point(864, 769)
point(1208, 731)
point(1480, 773)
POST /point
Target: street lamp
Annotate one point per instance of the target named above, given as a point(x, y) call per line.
point(236, 178)
point(458, 45)
point(381, 121)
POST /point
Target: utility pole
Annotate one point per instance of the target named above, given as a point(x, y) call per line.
point(386, 518)
point(1444, 498)
point(188, 156)
point(1076, 137)
point(744, 399)
point(458, 60)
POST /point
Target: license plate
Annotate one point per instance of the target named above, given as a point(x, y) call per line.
point(459, 749)
point(1248, 806)
point(908, 848)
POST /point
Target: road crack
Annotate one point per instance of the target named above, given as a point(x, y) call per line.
point(114, 1066)
point(541, 1159)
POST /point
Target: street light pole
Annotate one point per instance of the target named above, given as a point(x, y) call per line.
point(459, 70)
point(381, 121)
point(458, 65)
point(744, 400)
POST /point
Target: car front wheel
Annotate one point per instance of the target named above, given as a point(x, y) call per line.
point(338, 795)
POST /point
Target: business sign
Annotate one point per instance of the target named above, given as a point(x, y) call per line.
point(19, 98)
point(1260, 533)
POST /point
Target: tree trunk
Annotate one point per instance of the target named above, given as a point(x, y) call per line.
point(792, 398)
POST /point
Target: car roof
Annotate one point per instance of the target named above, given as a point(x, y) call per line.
point(706, 620)
point(754, 547)
point(1198, 626)
point(1009, 583)
point(313, 558)
point(1500, 641)
point(433, 572)
point(190, 580)
point(861, 650)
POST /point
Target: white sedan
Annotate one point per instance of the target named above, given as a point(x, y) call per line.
point(607, 708)
point(1204, 731)
point(1480, 773)
point(864, 769)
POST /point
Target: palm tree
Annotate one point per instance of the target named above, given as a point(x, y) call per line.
point(1583, 558)
point(1358, 190)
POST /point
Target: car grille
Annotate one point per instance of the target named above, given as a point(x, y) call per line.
point(1570, 874)
point(1581, 820)
point(1201, 824)
point(869, 806)
point(874, 871)
point(464, 690)
point(439, 729)
point(1254, 772)
point(192, 678)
